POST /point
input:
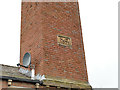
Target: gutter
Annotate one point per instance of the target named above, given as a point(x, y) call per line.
point(21, 80)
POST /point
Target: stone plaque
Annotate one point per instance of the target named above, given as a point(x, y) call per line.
point(64, 40)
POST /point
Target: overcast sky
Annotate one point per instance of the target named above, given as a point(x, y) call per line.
point(99, 20)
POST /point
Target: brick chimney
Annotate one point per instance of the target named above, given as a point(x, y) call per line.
point(51, 32)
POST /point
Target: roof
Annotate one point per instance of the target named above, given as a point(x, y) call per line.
point(12, 72)
point(67, 83)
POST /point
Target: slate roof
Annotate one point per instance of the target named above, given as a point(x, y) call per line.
point(14, 74)
point(11, 71)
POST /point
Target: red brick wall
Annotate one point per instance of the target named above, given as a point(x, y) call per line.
point(15, 84)
point(3, 84)
point(23, 84)
point(40, 24)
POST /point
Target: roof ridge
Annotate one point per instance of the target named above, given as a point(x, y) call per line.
point(8, 65)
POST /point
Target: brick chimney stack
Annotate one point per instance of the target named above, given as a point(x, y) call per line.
point(51, 32)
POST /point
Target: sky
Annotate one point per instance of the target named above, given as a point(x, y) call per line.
point(99, 20)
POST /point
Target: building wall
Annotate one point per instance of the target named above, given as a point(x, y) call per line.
point(41, 23)
point(14, 84)
point(26, 86)
point(3, 84)
point(22, 84)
